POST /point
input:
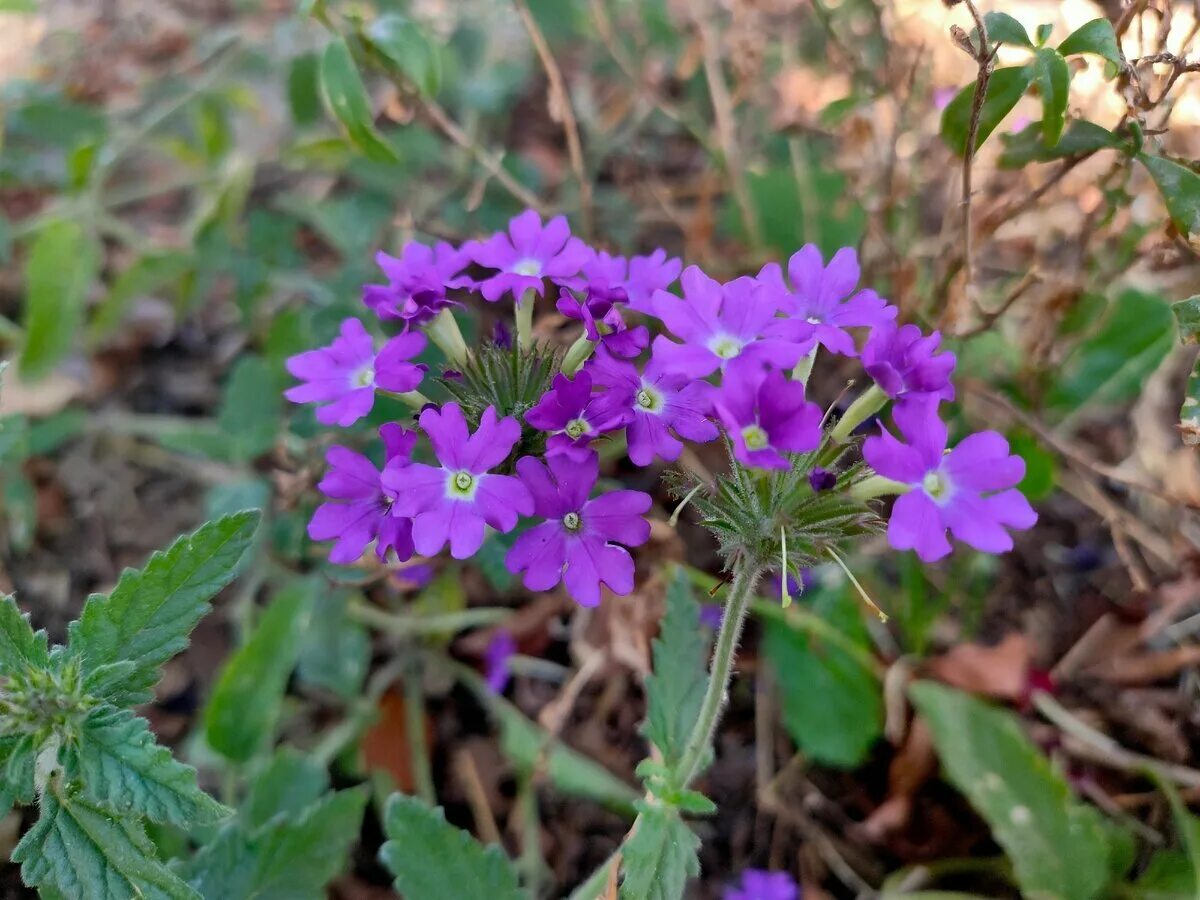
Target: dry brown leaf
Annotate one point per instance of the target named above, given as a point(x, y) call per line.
point(385, 744)
point(1000, 671)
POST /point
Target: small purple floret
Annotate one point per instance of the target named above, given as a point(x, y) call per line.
point(572, 415)
point(758, 884)
point(417, 282)
point(527, 254)
point(765, 415)
point(906, 365)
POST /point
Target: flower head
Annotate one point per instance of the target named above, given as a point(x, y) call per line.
point(344, 375)
point(417, 282)
point(758, 884)
point(360, 508)
point(765, 415)
point(454, 501)
point(648, 274)
point(824, 296)
point(527, 254)
point(655, 406)
point(721, 322)
point(573, 544)
point(906, 365)
point(572, 415)
point(970, 490)
point(500, 649)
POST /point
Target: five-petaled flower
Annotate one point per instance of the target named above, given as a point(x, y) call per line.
point(360, 507)
point(578, 542)
point(454, 501)
point(765, 415)
point(417, 282)
point(906, 364)
point(345, 375)
point(572, 415)
point(971, 490)
point(527, 254)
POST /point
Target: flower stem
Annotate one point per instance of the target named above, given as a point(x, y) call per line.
point(877, 486)
point(446, 336)
point(524, 319)
point(805, 366)
point(414, 399)
point(577, 355)
point(869, 402)
point(740, 595)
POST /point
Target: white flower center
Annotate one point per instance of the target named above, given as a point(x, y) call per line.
point(649, 400)
point(813, 320)
point(936, 485)
point(572, 522)
point(725, 346)
point(528, 267)
point(364, 377)
point(755, 437)
point(461, 485)
point(577, 428)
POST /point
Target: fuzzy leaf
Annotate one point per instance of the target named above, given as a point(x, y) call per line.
point(150, 613)
point(18, 759)
point(347, 99)
point(660, 857)
point(288, 784)
point(118, 766)
point(336, 651)
point(1005, 88)
point(1098, 37)
point(1054, 82)
point(20, 647)
point(1057, 845)
point(1180, 189)
point(256, 676)
point(675, 691)
point(82, 852)
point(418, 835)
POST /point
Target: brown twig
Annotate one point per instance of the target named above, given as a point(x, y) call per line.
point(984, 58)
point(560, 106)
point(988, 319)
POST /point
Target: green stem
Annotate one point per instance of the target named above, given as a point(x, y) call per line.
point(805, 366)
point(414, 728)
point(447, 337)
point(877, 486)
point(414, 626)
point(414, 399)
point(871, 401)
point(577, 355)
point(524, 320)
point(697, 747)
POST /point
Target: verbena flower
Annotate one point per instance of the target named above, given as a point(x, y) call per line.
point(648, 274)
point(758, 884)
point(970, 490)
point(345, 375)
point(906, 364)
point(572, 415)
point(824, 297)
point(417, 282)
point(453, 502)
point(765, 415)
point(721, 322)
point(654, 406)
point(360, 507)
point(573, 544)
point(527, 254)
point(500, 649)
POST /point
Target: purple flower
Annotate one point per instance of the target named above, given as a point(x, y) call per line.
point(821, 480)
point(758, 884)
point(417, 282)
point(719, 322)
point(906, 365)
point(499, 650)
point(821, 296)
point(969, 490)
point(765, 415)
point(414, 577)
point(572, 415)
point(345, 374)
point(528, 253)
point(654, 406)
point(603, 323)
point(361, 507)
point(572, 545)
point(454, 501)
point(647, 275)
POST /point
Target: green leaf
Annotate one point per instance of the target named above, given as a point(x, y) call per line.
point(1180, 189)
point(1041, 466)
point(18, 501)
point(660, 857)
point(292, 858)
point(1097, 37)
point(675, 691)
point(20, 646)
point(60, 268)
point(250, 408)
point(1169, 876)
point(1043, 34)
point(1005, 88)
point(149, 614)
point(410, 49)
point(832, 706)
point(152, 272)
point(1003, 28)
point(18, 6)
point(1188, 827)
point(304, 89)
point(18, 761)
point(116, 763)
point(336, 652)
point(347, 99)
point(1054, 82)
point(287, 785)
point(256, 676)
point(1029, 144)
point(418, 834)
point(1111, 366)
point(1056, 844)
point(786, 201)
point(84, 853)
point(1187, 317)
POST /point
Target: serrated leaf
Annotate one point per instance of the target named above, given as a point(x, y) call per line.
point(1180, 189)
point(60, 267)
point(1029, 144)
point(84, 853)
point(18, 760)
point(418, 835)
point(287, 785)
point(409, 48)
point(675, 691)
point(1054, 82)
point(832, 706)
point(347, 99)
point(117, 764)
point(660, 857)
point(1005, 87)
point(1098, 37)
point(256, 676)
point(20, 647)
point(150, 613)
point(289, 859)
point(1003, 28)
point(1056, 844)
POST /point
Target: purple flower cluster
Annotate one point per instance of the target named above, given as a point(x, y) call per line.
point(728, 358)
point(760, 884)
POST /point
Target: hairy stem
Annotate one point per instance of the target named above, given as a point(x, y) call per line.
point(869, 402)
point(447, 337)
point(577, 355)
point(524, 320)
